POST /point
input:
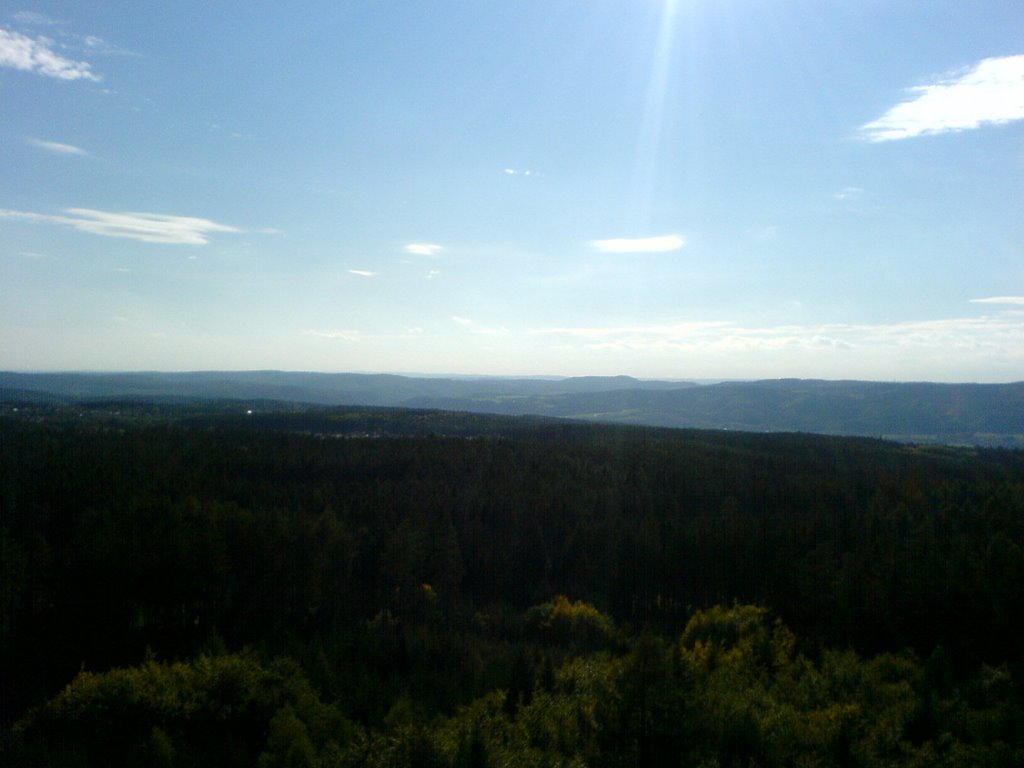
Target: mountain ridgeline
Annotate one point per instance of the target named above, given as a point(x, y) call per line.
point(969, 414)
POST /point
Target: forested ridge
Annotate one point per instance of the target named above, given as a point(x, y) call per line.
point(920, 412)
point(344, 587)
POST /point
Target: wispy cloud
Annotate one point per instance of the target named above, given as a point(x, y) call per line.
point(423, 249)
point(145, 227)
point(849, 193)
point(1012, 300)
point(362, 272)
point(641, 244)
point(36, 55)
point(636, 334)
point(339, 335)
point(34, 18)
point(516, 172)
point(68, 40)
point(1001, 332)
point(103, 47)
point(991, 92)
point(58, 148)
point(350, 335)
point(476, 328)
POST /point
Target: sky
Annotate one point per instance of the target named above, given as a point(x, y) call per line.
point(683, 189)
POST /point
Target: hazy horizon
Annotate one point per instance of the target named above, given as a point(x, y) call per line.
point(704, 381)
point(665, 189)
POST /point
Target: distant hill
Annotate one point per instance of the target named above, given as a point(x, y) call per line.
point(981, 414)
point(319, 388)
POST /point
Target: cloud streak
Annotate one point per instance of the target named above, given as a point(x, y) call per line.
point(991, 92)
point(659, 244)
point(102, 47)
point(1012, 300)
point(144, 227)
point(362, 273)
point(36, 55)
point(849, 193)
point(58, 148)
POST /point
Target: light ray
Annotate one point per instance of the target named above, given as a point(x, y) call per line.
point(649, 151)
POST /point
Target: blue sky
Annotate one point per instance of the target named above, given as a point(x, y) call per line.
point(671, 189)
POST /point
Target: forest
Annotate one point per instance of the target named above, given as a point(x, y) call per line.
point(219, 584)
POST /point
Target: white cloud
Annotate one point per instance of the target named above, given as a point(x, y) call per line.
point(1014, 300)
point(37, 55)
point(641, 244)
point(145, 227)
point(58, 148)
point(362, 272)
point(433, 273)
point(992, 92)
point(423, 249)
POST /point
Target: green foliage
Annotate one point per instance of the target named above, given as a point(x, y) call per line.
point(578, 625)
point(740, 636)
point(762, 702)
point(216, 708)
point(288, 744)
point(472, 751)
point(404, 747)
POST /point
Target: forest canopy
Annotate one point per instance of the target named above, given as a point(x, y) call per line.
point(352, 587)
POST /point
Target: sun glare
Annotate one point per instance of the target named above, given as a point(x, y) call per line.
point(650, 137)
